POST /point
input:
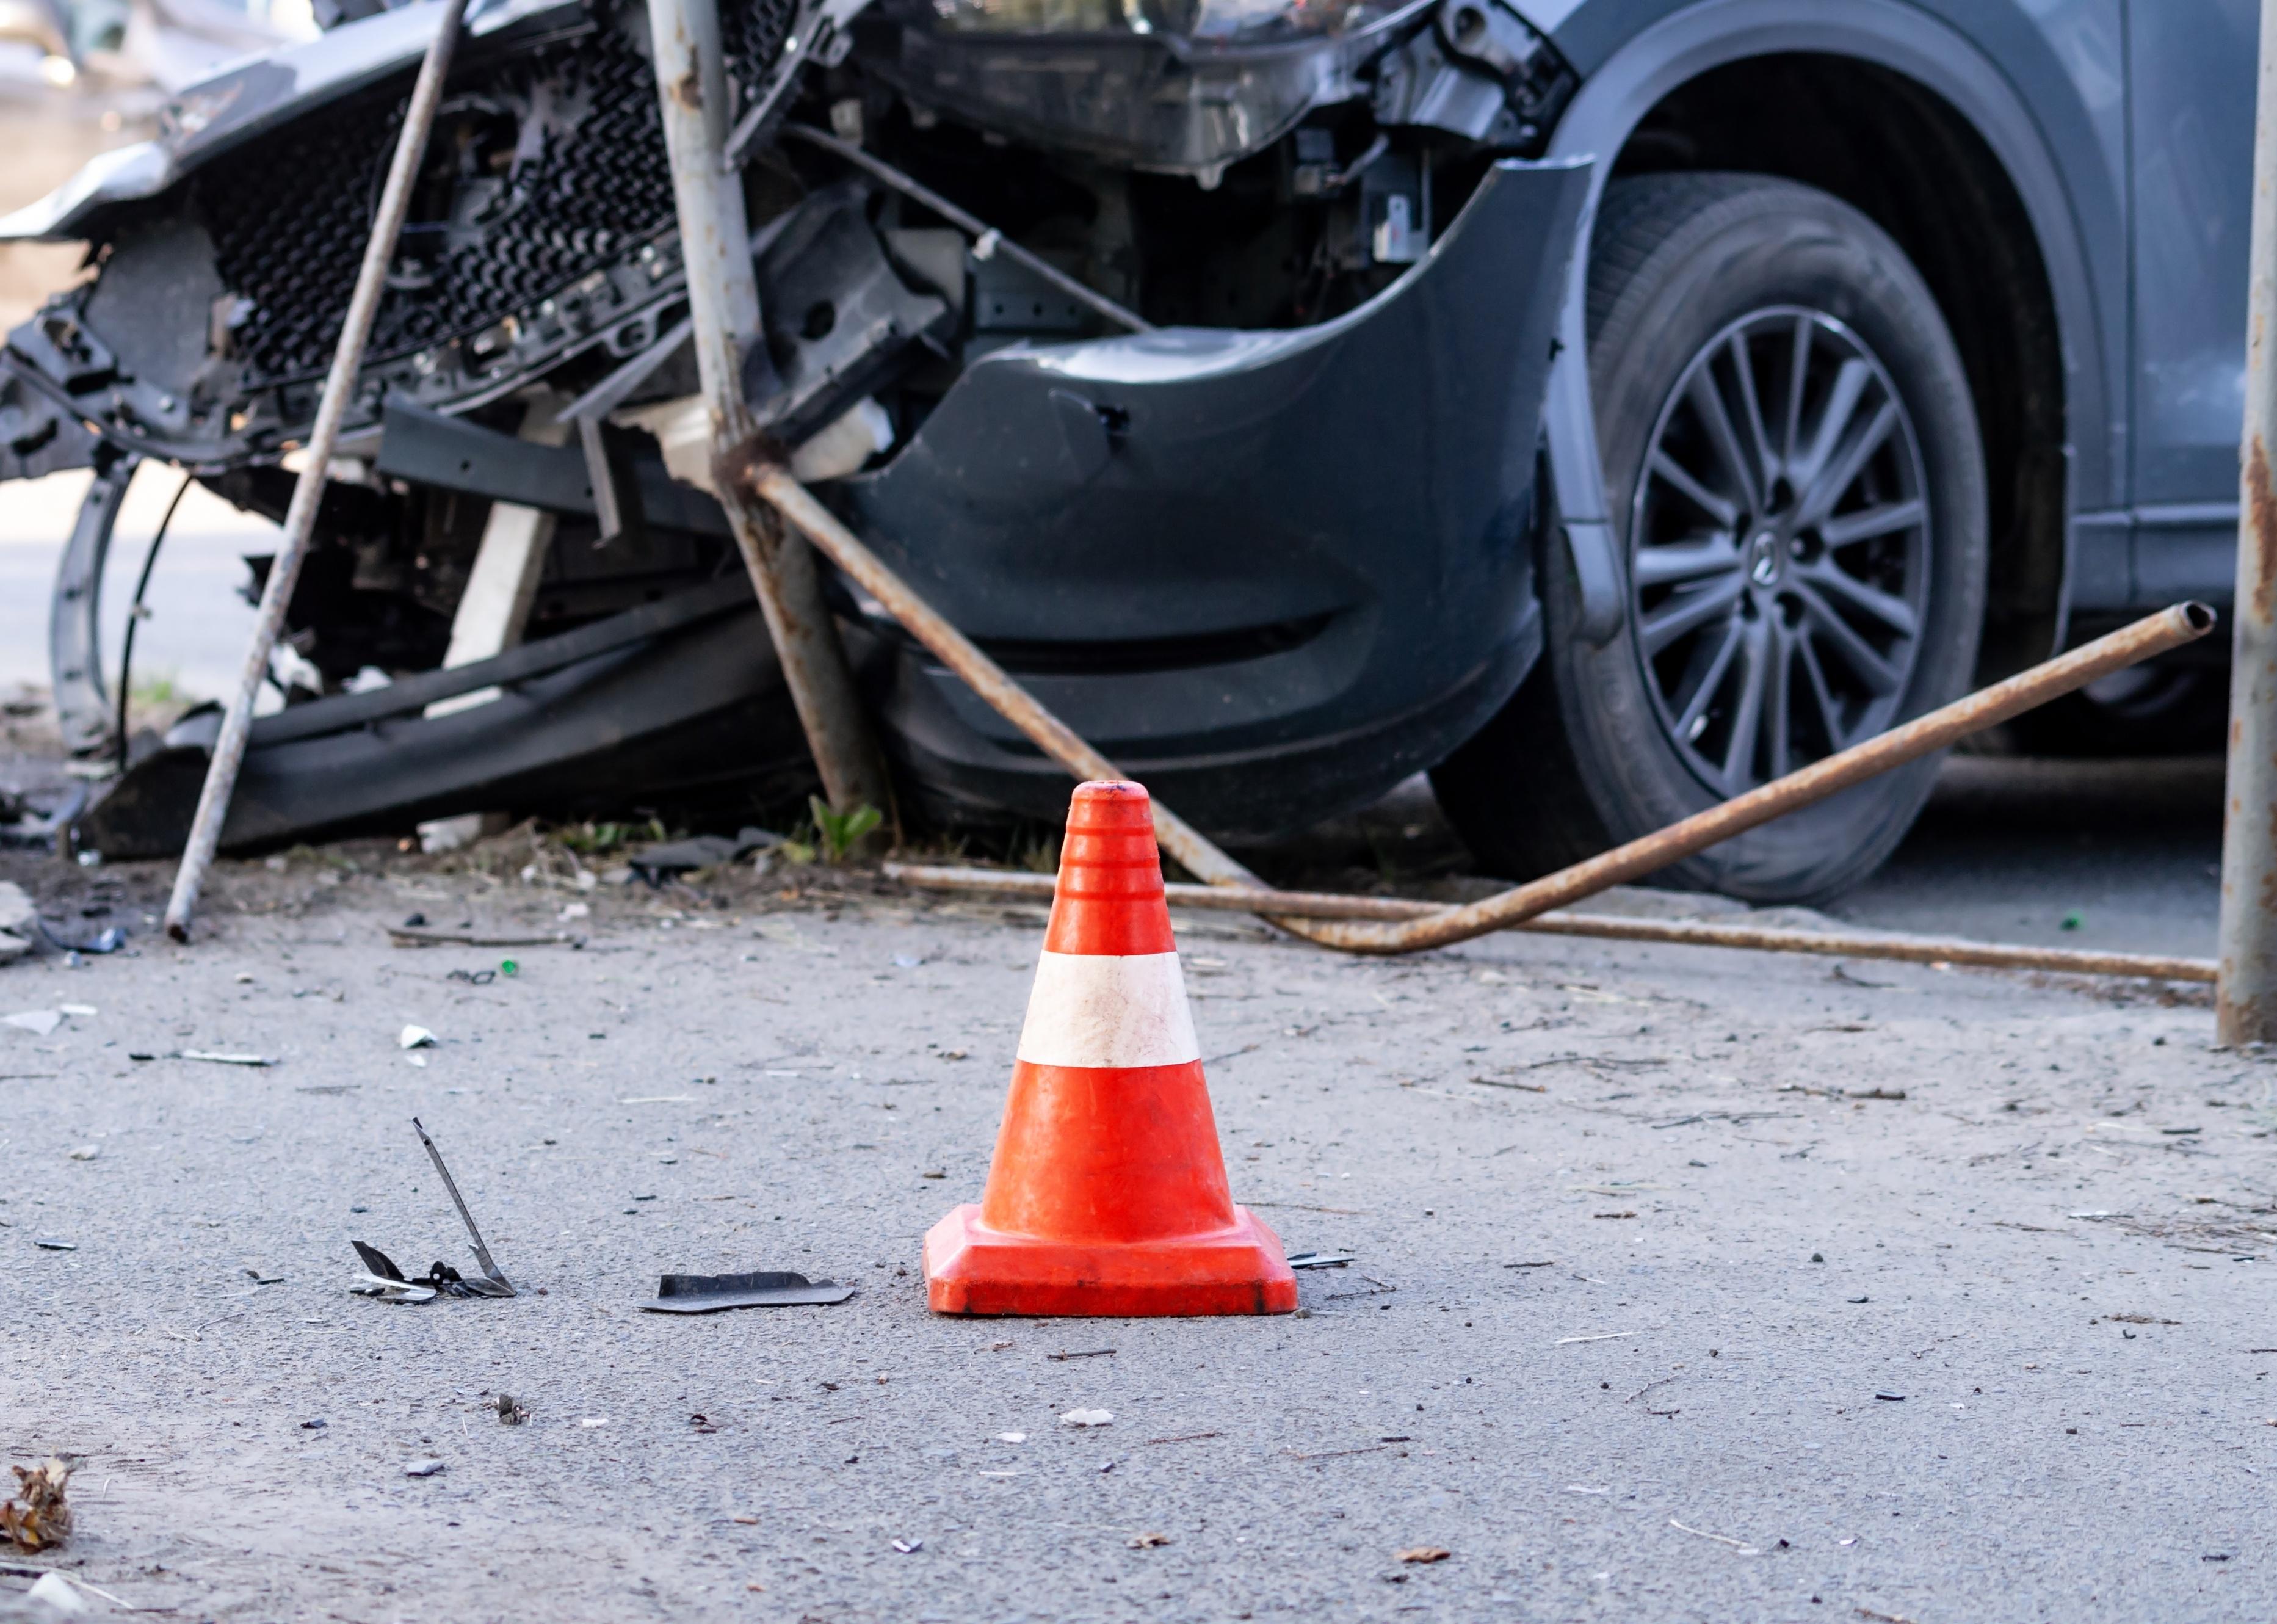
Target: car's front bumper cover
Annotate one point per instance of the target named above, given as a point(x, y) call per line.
point(1271, 573)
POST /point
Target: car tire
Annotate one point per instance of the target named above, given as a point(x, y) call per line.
point(1843, 608)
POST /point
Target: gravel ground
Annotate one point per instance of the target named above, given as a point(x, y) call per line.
point(1647, 1320)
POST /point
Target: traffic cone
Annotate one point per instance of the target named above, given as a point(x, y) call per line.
point(1108, 1194)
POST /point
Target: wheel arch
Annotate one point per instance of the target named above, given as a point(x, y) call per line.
point(1675, 95)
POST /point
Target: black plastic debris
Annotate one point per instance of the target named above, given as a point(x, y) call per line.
point(1338, 1259)
point(382, 1279)
point(768, 1288)
point(678, 856)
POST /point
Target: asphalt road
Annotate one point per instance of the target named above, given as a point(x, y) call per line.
point(1645, 1322)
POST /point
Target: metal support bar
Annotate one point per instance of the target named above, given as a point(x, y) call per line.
point(308, 493)
point(983, 675)
point(2245, 1003)
point(1609, 927)
point(723, 305)
point(986, 240)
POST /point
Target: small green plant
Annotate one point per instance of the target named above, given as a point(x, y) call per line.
point(839, 832)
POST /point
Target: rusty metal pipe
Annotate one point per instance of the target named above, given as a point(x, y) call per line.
point(723, 308)
point(1611, 927)
point(983, 675)
point(2152, 635)
point(2245, 1005)
point(308, 489)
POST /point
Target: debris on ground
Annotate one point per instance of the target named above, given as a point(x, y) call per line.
point(765, 1288)
point(109, 939)
point(39, 1023)
point(59, 1593)
point(656, 863)
point(416, 1037)
point(208, 1056)
point(427, 1466)
point(16, 915)
point(1147, 1541)
point(1087, 1418)
point(382, 1279)
point(38, 1517)
point(1327, 1260)
point(415, 936)
point(511, 1410)
point(1425, 1553)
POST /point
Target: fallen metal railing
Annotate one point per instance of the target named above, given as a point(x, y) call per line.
point(1440, 926)
point(1938, 951)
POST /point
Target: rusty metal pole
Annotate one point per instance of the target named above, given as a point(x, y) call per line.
point(723, 303)
point(2245, 997)
point(309, 491)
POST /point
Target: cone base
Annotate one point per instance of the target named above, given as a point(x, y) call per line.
point(970, 1269)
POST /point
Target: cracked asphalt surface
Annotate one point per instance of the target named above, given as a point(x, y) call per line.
point(1665, 1306)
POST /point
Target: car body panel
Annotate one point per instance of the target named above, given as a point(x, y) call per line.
point(1334, 518)
point(2046, 85)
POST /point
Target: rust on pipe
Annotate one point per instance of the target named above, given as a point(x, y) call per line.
point(2153, 635)
point(1611, 927)
point(333, 406)
point(723, 310)
point(984, 675)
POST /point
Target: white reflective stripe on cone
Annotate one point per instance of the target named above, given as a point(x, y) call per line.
point(1100, 1010)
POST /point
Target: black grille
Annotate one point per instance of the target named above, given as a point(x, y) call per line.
point(290, 212)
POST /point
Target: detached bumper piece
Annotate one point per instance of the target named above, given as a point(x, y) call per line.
point(678, 697)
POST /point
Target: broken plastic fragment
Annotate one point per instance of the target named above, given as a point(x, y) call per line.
point(416, 1037)
point(427, 1468)
point(38, 1022)
point(1087, 1418)
point(1326, 1259)
point(767, 1288)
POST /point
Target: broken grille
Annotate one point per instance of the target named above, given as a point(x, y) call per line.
point(591, 182)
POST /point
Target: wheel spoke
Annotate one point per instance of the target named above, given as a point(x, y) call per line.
point(1826, 489)
point(1707, 401)
point(1894, 612)
point(1798, 375)
point(1665, 467)
point(1686, 561)
point(1705, 678)
point(1759, 439)
point(1829, 713)
point(1779, 698)
point(1841, 401)
point(1748, 716)
point(1869, 523)
point(1687, 611)
point(1856, 652)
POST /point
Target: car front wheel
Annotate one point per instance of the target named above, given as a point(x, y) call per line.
point(1794, 461)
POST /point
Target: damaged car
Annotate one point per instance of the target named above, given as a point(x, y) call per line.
point(1605, 405)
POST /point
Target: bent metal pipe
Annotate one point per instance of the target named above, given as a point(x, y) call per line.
point(2153, 635)
point(1910, 949)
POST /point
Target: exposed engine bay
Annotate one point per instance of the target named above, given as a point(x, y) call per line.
point(1143, 173)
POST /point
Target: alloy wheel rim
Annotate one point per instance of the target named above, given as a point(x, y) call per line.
point(1778, 550)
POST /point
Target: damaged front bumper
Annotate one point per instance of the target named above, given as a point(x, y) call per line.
point(1270, 573)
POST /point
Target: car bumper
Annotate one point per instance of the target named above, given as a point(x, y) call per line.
point(1270, 573)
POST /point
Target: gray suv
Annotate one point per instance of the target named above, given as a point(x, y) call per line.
point(1606, 405)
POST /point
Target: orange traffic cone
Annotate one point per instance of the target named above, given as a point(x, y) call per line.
point(1108, 1194)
